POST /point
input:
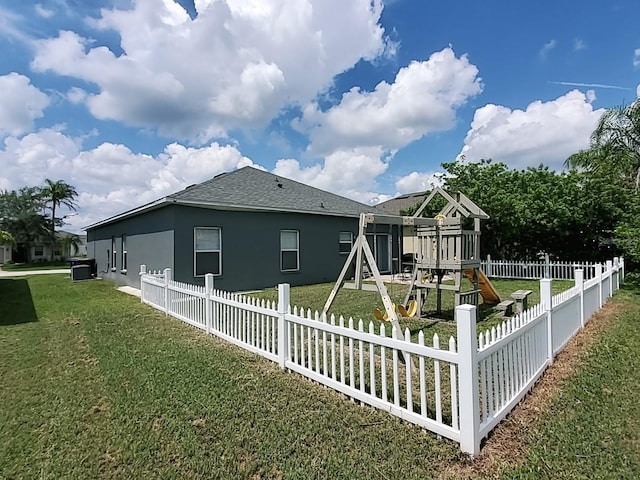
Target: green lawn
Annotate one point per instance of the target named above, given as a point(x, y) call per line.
point(34, 266)
point(96, 385)
point(592, 429)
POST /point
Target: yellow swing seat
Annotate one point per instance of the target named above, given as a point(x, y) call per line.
point(381, 314)
point(410, 310)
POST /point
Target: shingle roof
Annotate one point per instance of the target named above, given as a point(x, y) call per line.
point(251, 188)
point(403, 202)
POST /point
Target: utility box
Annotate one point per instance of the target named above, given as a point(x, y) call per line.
point(81, 272)
point(90, 262)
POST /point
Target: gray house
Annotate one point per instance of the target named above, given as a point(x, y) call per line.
point(250, 228)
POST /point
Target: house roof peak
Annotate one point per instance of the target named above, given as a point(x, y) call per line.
point(253, 188)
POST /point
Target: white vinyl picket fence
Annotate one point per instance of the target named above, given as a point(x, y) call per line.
point(460, 390)
point(530, 270)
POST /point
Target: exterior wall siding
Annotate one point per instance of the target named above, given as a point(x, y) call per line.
point(149, 242)
point(251, 247)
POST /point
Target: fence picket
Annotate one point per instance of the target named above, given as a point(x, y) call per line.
point(423, 380)
point(372, 362)
point(333, 349)
point(436, 378)
point(342, 367)
point(383, 365)
point(407, 367)
point(454, 387)
point(352, 380)
point(396, 382)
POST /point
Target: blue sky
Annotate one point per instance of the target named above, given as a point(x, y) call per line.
point(132, 100)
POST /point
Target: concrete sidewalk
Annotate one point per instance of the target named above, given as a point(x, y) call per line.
point(22, 273)
point(129, 291)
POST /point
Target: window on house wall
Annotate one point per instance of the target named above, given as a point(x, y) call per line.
point(124, 253)
point(207, 251)
point(38, 251)
point(114, 254)
point(289, 250)
point(108, 259)
point(346, 242)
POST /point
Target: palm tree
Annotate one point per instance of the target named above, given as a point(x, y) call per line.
point(69, 244)
point(6, 237)
point(615, 145)
point(57, 194)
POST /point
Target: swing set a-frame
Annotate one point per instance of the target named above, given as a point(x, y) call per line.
point(447, 244)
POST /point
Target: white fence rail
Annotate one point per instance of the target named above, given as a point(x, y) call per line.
point(530, 270)
point(460, 390)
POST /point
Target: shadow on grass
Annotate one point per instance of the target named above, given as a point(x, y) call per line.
point(16, 304)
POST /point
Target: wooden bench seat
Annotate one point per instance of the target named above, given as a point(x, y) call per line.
point(505, 308)
point(520, 296)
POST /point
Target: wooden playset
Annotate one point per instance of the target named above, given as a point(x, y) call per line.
point(448, 249)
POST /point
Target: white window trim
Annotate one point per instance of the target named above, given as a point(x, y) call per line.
point(123, 239)
point(114, 254)
point(340, 242)
point(297, 250)
point(205, 251)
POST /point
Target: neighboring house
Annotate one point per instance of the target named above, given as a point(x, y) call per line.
point(41, 251)
point(5, 253)
point(250, 228)
point(396, 206)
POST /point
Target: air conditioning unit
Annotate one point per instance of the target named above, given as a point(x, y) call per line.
point(81, 272)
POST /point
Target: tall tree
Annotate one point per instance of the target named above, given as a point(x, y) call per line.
point(69, 244)
point(615, 146)
point(21, 216)
point(57, 194)
point(570, 215)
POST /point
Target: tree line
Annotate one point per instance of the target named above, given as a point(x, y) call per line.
point(589, 212)
point(30, 215)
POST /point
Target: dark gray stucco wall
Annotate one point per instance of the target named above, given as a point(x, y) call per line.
point(251, 247)
point(149, 241)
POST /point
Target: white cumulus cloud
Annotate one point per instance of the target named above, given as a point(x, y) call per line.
point(546, 132)
point(351, 173)
point(418, 182)
point(20, 104)
point(109, 178)
point(636, 58)
point(237, 64)
point(422, 99)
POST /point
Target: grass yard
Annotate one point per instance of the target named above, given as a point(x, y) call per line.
point(97, 385)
